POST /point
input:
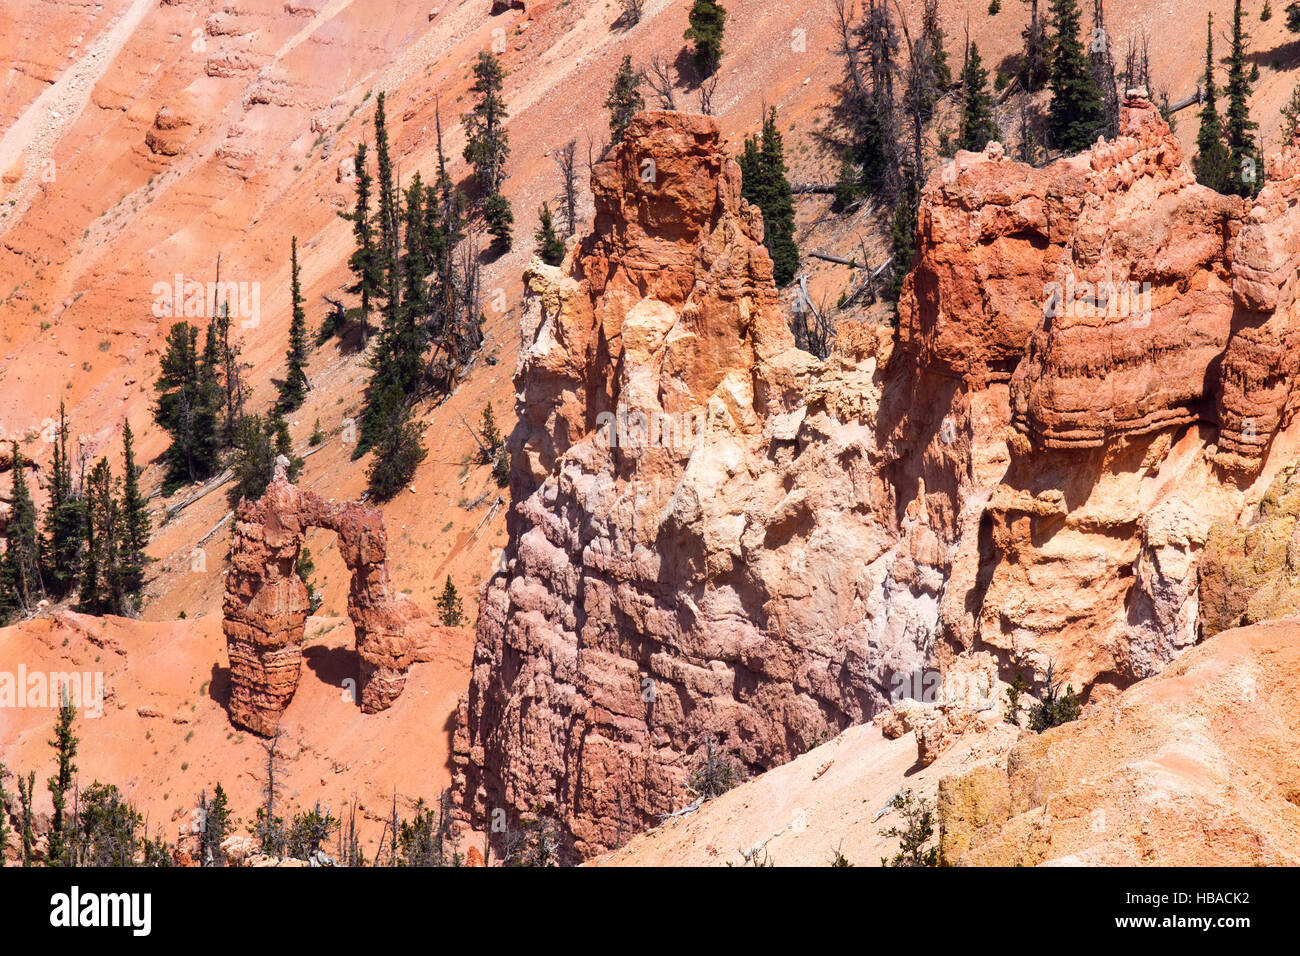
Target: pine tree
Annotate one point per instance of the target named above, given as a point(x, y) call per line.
point(135, 520)
point(1036, 58)
point(624, 100)
point(284, 447)
point(211, 398)
point(229, 374)
point(4, 815)
point(1102, 66)
point(105, 828)
point(388, 212)
point(1075, 117)
point(902, 237)
point(1212, 159)
point(103, 586)
point(305, 567)
point(1245, 168)
point(20, 569)
point(764, 183)
point(417, 259)
point(65, 746)
point(487, 146)
point(62, 541)
point(490, 434)
point(930, 73)
point(872, 161)
point(26, 788)
point(186, 404)
point(260, 441)
point(486, 142)
point(364, 262)
point(215, 828)
point(253, 463)
point(398, 448)
point(293, 390)
point(977, 124)
point(707, 22)
point(500, 220)
point(549, 247)
point(1290, 116)
point(449, 605)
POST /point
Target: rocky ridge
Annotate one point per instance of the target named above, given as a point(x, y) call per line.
point(963, 501)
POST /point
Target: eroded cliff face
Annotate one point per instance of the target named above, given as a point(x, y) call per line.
point(716, 534)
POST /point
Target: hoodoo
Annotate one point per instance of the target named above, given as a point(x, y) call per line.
point(265, 609)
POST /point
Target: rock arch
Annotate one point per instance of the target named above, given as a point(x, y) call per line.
point(265, 609)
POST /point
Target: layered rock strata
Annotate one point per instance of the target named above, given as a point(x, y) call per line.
point(716, 537)
point(265, 608)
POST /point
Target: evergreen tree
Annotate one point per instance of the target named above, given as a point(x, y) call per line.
point(500, 220)
point(388, 213)
point(872, 160)
point(185, 408)
point(549, 247)
point(449, 605)
point(305, 567)
point(624, 100)
point(364, 262)
point(20, 571)
point(977, 124)
point(707, 23)
point(62, 542)
point(1102, 66)
point(494, 447)
point(398, 448)
point(26, 788)
point(260, 441)
point(253, 463)
point(105, 828)
point(65, 746)
point(764, 183)
point(293, 390)
point(486, 142)
point(135, 520)
point(487, 146)
point(229, 374)
point(930, 74)
point(103, 587)
point(490, 434)
point(1290, 116)
point(1244, 161)
point(417, 260)
point(215, 828)
point(4, 816)
point(1036, 57)
point(1075, 117)
point(284, 447)
point(902, 238)
point(1212, 159)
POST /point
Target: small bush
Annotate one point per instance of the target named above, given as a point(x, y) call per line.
point(716, 773)
point(912, 839)
point(1055, 708)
